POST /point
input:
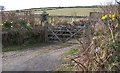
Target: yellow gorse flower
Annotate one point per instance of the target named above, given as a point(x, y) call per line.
point(11, 22)
point(113, 16)
point(104, 17)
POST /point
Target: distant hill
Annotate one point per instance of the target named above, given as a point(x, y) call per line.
point(50, 8)
point(65, 11)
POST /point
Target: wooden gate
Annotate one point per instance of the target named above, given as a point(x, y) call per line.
point(63, 33)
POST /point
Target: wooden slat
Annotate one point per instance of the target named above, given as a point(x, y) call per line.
point(74, 34)
point(68, 16)
point(55, 35)
point(39, 15)
point(61, 34)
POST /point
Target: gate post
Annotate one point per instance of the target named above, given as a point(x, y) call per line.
point(46, 31)
point(45, 25)
point(1, 8)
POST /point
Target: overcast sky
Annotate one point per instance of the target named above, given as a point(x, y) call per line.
point(24, 4)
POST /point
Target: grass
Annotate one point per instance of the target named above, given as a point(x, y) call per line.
point(65, 67)
point(32, 45)
point(71, 11)
point(68, 65)
point(20, 47)
point(72, 51)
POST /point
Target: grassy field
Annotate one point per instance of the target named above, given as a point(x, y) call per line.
point(70, 11)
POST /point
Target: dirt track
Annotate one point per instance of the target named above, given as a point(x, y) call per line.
point(40, 59)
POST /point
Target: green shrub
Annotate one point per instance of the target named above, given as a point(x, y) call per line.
point(7, 24)
point(22, 22)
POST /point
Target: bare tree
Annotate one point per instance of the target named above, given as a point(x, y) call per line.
point(2, 8)
point(117, 1)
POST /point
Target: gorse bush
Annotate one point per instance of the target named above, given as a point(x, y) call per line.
point(24, 23)
point(19, 36)
point(7, 24)
point(103, 51)
point(20, 29)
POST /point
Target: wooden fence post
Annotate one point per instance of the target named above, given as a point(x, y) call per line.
point(1, 39)
point(46, 31)
point(1, 20)
point(87, 35)
point(45, 22)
